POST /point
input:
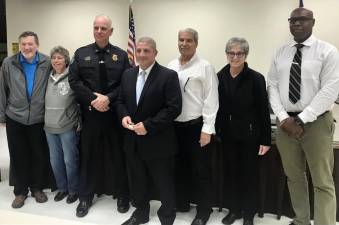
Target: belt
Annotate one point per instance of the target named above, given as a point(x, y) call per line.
point(294, 114)
point(188, 123)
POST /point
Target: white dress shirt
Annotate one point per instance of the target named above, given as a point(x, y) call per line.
point(319, 79)
point(140, 84)
point(148, 70)
point(199, 89)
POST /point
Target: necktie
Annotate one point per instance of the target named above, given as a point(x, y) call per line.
point(140, 84)
point(102, 72)
point(295, 76)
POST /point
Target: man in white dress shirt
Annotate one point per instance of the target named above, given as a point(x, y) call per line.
point(303, 83)
point(195, 125)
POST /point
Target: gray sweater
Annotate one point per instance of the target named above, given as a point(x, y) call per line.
point(14, 101)
point(61, 109)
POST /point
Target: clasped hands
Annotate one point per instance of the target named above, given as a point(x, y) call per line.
point(292, 129)
point(101, 103)
point(138, 128)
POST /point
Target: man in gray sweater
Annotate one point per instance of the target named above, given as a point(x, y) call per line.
point(23, 82)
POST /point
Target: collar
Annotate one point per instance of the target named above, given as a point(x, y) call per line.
point(308, 42)
point(148, 70)
point(241, 74)
point(60, 76)
point(106, 49)
point(22, 59)
point(194, 57)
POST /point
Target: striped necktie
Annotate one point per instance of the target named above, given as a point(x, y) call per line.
point(295, 76)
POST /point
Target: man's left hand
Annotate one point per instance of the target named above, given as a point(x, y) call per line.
point(140, 129)
point(205, 139)
point(292, 128)
point(101, 103)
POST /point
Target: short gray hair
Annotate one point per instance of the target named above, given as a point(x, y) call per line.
point(191, 31)
point(107, 18)
point(149, 41)
point(62, 51)
point(238, 41)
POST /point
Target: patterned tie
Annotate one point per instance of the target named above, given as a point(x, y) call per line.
point(295, 76)
point(140, 84)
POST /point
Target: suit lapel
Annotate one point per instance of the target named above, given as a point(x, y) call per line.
point(149, 81)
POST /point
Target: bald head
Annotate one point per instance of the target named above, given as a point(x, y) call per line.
point(301, 24)
point(303, 11)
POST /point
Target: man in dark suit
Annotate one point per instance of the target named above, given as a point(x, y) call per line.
point(149, 101)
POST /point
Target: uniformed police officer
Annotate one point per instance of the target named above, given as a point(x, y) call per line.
point(95, 75)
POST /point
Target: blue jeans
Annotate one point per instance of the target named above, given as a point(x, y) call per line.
point(64, 156)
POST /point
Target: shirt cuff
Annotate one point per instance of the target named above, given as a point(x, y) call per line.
point(306, 116)
point(208, 129)
point(283, 115)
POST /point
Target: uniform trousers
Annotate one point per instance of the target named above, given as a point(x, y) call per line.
point(102, 162)
point(315, 148)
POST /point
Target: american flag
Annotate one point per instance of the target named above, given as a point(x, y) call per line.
point(131, 38)
point(301, 4)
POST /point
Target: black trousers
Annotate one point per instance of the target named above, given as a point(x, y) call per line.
point(102, 162)
point(192, 170)
point(160, 171)
point(29, 156)
point(241, 176)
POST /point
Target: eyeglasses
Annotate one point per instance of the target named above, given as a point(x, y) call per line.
point(233, 54)
point(301, 19)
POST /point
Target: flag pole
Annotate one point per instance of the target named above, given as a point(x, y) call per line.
point(301, 4)
point(131, 37)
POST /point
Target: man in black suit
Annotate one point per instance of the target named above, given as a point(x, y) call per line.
point(149, 101)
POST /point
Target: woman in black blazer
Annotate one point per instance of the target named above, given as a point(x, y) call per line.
point(243, 124)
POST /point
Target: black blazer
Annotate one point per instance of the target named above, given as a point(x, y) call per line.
point(159, 104)
point(245, 115)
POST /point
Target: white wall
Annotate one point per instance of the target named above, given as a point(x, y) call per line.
point(263, 23)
